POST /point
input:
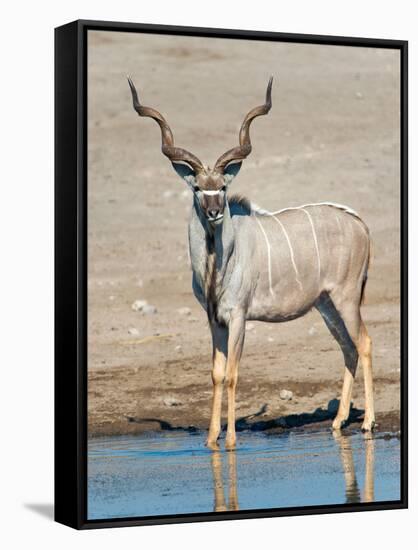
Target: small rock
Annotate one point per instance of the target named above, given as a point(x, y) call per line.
point(270, 339)
point(286, 395)
point(168, 194)
point(133, 332)
point(192, 319)
point(143, 307)
point(138, 305)
point(359, 95)
point(149, 309)
point(312, 331)
point(171, 402)
point(178, 348)
point(184, 311)
point(111, 298)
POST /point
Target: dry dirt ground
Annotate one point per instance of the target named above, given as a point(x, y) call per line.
point(332, 134)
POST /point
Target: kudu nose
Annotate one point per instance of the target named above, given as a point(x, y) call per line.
point(213, 213)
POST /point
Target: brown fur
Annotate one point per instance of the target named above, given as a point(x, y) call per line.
point(210, 281)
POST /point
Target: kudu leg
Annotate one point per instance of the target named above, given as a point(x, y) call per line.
point(343, 329)
point(350, 313)
point(364, 347)
point(349, 330)
point(220, 350)
point(235, 345)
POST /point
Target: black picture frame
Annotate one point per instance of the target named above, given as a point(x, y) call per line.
point(71, 271)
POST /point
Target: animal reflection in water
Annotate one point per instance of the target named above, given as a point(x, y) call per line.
point(218, 485)
point(352, 490)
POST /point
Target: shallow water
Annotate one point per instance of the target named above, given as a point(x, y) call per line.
point(173, 473)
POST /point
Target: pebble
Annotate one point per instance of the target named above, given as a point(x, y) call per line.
point(359, 95)
point(270, 339)
point(178, 348)
point(143, 307)
point(171, 402)
point(286, 395)
point(133, 331)
point(184, 311)
point(312, 331)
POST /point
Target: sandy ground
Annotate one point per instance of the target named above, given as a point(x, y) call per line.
point(333, 134)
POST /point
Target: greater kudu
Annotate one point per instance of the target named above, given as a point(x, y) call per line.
point(253, 264)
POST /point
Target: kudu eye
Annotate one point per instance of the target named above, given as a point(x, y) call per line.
point(196, 188)
point(223, 188)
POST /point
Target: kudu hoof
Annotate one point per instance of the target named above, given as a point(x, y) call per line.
point(339, 423)
point(368, 426)
point(230, 445)
point(212, 445)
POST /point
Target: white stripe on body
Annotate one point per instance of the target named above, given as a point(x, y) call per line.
point(292, 257)
point(340, 239)
point(268, 256)
point(315, 240)
point(264, 212)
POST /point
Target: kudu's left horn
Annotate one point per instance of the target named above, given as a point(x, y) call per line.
point(175, 154)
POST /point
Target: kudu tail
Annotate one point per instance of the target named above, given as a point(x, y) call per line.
point(365, 275)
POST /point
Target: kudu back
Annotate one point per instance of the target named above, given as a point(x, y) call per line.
point(250, 263)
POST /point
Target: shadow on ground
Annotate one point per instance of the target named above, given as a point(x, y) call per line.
point(42, 509)
point(254, 422)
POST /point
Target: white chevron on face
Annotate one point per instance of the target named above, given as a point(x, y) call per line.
point(210, 192)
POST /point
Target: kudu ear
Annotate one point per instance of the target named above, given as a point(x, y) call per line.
point(185, 172)
point(231, 171)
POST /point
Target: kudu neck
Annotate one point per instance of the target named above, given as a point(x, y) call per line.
point(218, 238)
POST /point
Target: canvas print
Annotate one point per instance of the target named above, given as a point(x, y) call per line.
point(243, 275)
